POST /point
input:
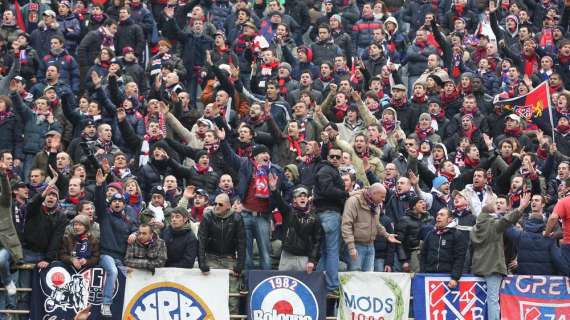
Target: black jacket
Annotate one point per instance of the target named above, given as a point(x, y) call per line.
point(130, 34)
point(181, 247)
point(444, 253)
point(384, 249)
point(43, 232)
point(303, 232)
point(222, 236)
point(409, 230)
point(328, 193)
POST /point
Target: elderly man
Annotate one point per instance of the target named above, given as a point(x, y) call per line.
point(361, 224)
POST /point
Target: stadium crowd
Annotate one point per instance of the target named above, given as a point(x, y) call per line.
point(332, 135)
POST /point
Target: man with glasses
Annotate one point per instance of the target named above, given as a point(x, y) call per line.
point(329, 197)
point(222, 243)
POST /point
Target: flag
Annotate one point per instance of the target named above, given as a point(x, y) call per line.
point(19, 17)
point(530, 105)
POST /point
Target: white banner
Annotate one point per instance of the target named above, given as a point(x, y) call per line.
point(374, 295)
point(173, 293)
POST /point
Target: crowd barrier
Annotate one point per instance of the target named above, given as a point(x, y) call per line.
point(59, 292)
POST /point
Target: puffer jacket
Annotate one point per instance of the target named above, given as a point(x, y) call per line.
point(325, 52)
point(362, 31)
point(302, 231)
point(33, 131)
point(535, 251)
point(443, 252)
point(222, 236)
point(409, 230)
point(67, 65)
point(416, 56)
point(220, 11)
point(182, 247)
point(207, 181)
point(67, 23)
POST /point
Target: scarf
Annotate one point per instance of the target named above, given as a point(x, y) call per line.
point(456, 61)
point(440, 231)
point(563, 129)
point(472, 112)
point(304, 210)
point(556, 88)
point(405, 196)
point(245, 150)
point(364, 153)
point(4, 115)
point(398, 104)
point(202, 169)
point(435, 118)
point(450, 176)
point(282, 83)
point(530, 65)
point(211, 148)
point(133, 199)
point(340, 111)
point(423, 133)
point(371, 205)
point(388, 125)
point(563, 59)
point(469, 133)
point(261, 180)
point(255, 121)
point(542, 153)
point(107, 38)
point(380, 143)
point(459, 158)
point(390, 183)
point(516, 132)
point(98, 17)
point(295, 146)
point(446, 98)
point(473, 163)
point(326, 79)
point(82, 249)
point(75, 200)
point(515, 197)
point(419, 100)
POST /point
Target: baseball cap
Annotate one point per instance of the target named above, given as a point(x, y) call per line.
point(49, 13)
point(300, 190)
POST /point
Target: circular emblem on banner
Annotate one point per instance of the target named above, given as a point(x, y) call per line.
point(156, 300)
point(283, 297)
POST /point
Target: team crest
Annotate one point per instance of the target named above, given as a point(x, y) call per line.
point(283, 297)
point(167, 300)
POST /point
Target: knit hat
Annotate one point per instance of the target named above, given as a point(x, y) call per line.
point(157, 190)
point(285, 65)
point(65, 3)
point(117, 186)
point(83, 219)
point(128, 50)
point(293, 169)
point(439, 181)
point(300, 190)
point(435, 100)
point(259, 148)
point(53, 190)
point(425, 116)
point(413, 201)
point(336, 17)
point(199, 154)
point(117, 197)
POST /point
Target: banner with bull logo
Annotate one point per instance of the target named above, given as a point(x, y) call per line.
point(60, 292)
point(433, 299)
point(535, 297)
point(173, 293)
point(374, 295)
point(277, 295)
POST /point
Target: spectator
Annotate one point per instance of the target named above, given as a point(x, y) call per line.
point(561, 212)
point(411, 229)
point(11, 248)
point(148, 251)
point(47, 28)
point(80, 248)
point(488, 253)
point(181, 242)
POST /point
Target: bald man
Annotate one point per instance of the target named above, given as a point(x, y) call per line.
point(361, 224)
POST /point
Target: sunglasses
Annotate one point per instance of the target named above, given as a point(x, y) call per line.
point(218, 204)
point(335, 156)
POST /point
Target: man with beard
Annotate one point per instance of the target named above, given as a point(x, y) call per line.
point(302, 230)
point(324, 48)
point(406, 114)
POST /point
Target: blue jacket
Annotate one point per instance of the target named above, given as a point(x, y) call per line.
point(536, 253)
point(245, 167)
point(67, 23)
point(68, 69)
point(115, 228)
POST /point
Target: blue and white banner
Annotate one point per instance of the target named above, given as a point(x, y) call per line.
point(433, 299)
point(276, 295)
point(535, 297)
point(60, 292)
point(174, 293)
point(374, 295)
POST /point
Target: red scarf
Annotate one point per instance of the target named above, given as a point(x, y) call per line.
point(473, 112)
point(4, 115)
point(563, 129)
point(541, 153)
point(388, 126)
point(460, 9)
point(364, 154)
point(471, 162)
point(419, 100)
point(438, 116)
point(448, 98)
point(211, 148)
point(295, 146)
point(340, 111)
point(450, 176)
point(398, 104)
point(261, 181)
point(563, 59)
point(197, 213)
point(202, 169)
point(282, 86)
point(469, 133)
point(516, 132)
point(423, 133)
point(530, 65)
point(380, 143)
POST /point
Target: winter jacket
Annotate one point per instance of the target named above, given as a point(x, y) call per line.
point(67, 249)
point(325, 52)
point(328, 192)
point(396, 206)
point(409, 230)
point(146, 256)
point(182, 247)
point(194, 47)
point(221, 236)
point(115, 227)
point(384, 249)
point(362, 31)
point(11, 133)
point(71, 29)
point(67, 66)
point(8, 234)
point(41, 37)
point(34, 130)
point(89, 48)
point(359, 224)
point(302, 230)
point(443, 252)
point(536, 253)
point(416, 57)
point(487, 242)
point(130, 34)
point(43, 231)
